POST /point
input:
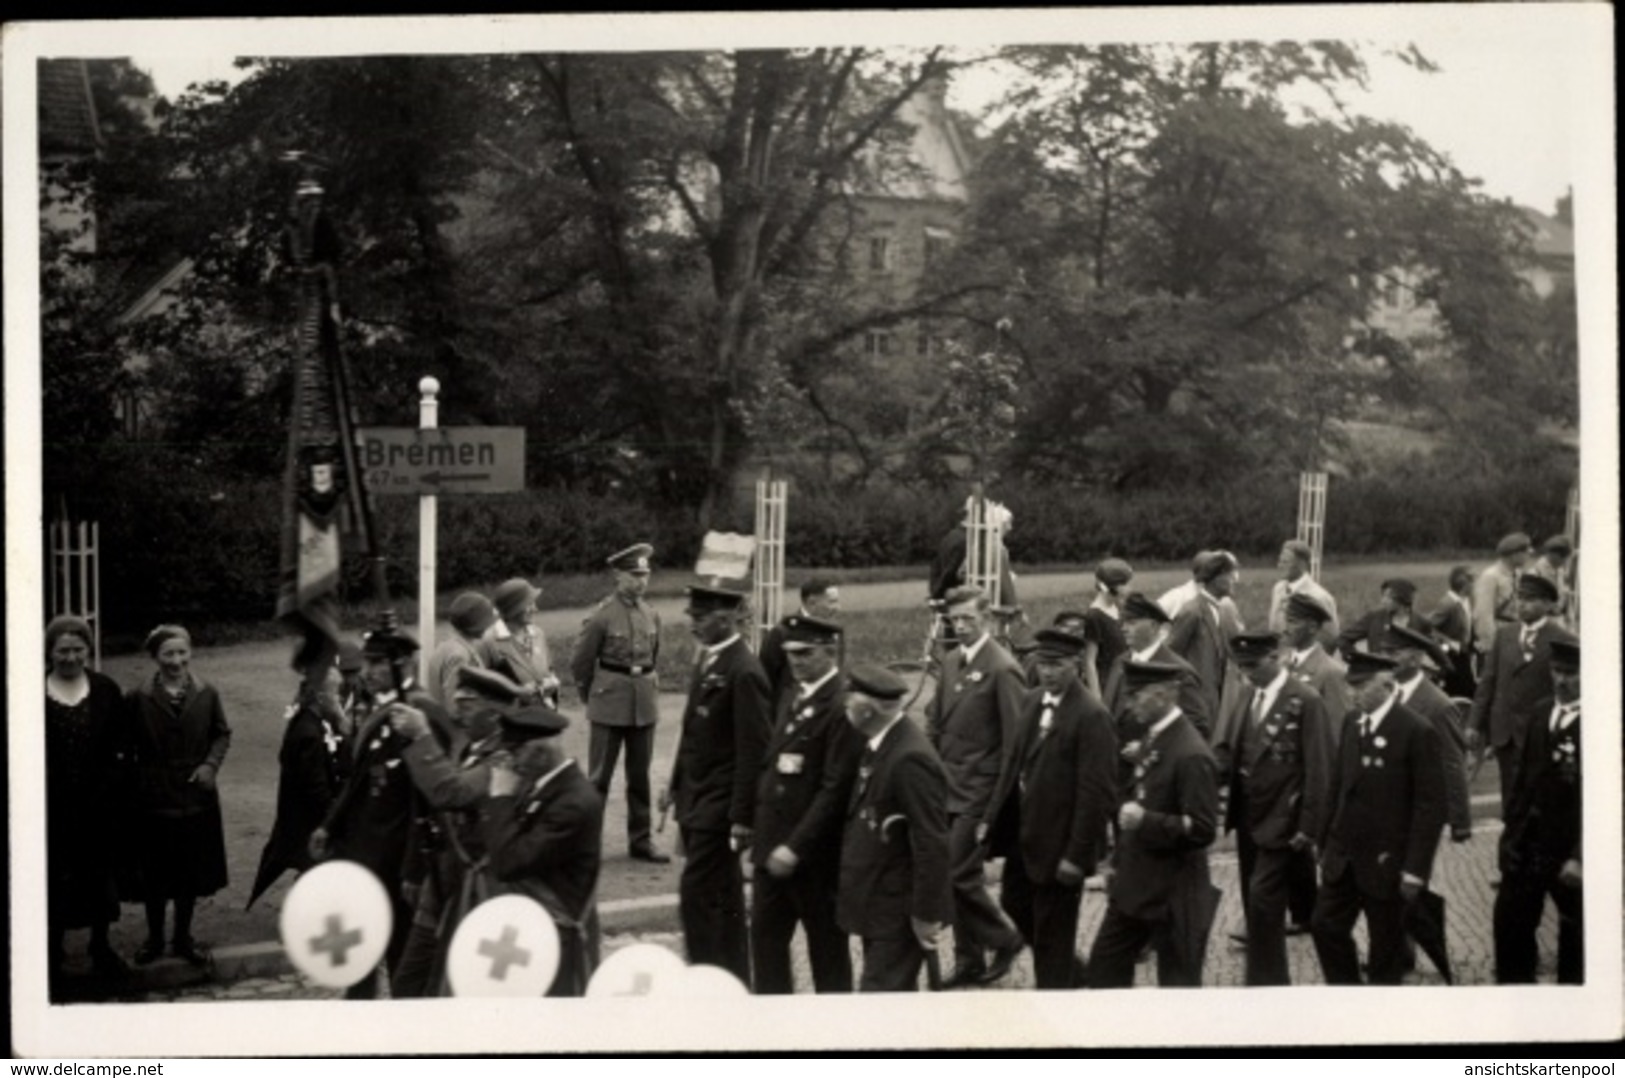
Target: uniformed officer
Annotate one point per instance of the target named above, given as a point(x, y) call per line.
point(614, 672)
point(895, 891)
point(801, 795)
point(713, 783)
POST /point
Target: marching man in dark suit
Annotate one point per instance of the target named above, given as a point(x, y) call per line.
point(1540, 848)
point(1067, 787)
point(974, 722)
point(801, 797)
point(1387, 809)
point(1160, 890)
point(895, 893)
point(821, 599)
point(1275, 757)
point(1201, 631)
point(614, 671)
point(1418, 656)
point(1144, 623)
point(1516, 676)
point(713, 784)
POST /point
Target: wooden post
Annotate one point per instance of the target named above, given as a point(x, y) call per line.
point(428, 536)
point(984, 553)
point(768, 590)
point(74, 567)
point(1312, 516)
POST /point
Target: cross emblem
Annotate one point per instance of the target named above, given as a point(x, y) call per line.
point(330, 738)
point(335, 942)
point(504, 952)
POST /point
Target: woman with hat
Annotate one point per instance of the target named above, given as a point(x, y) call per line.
point(179, 739)
point(84, 712)
point(1112, 578)
point(517, 649)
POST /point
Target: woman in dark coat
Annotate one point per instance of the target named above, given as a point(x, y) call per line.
point(315, 760)
point(84, 717)
point(179, 739)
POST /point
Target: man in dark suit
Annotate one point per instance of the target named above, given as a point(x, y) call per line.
point(974, 724)
point(1067, 787)
point(1201, 632)
point(895, 892)
point(1540, 848)
point(1274, 756)
point(801, 796)
point(1452, 624)
point(1516, 676)
point(1387, 808)
point(1371, 629)
point(713, 785)
point(820, 599)
point(1160, 891)
point(1144, 622)
point(543, 827)
point(1419, 658)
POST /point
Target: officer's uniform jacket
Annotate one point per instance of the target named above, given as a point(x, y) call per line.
point(1068, 782)
point(725, 730)
point(1430, 702)
point(894, 848)
point(614, 663)
point(974, 724)
point(1173, 775)
point(1509, 686)
point(1278, 771)
point(1387, 803)
point(1543, 816)
point(806, 777)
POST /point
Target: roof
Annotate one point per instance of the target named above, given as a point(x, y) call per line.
point(67, 115)
point(1550, 237)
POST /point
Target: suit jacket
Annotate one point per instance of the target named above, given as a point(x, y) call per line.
point(974, 724)
point(1068, 782)
point(806, 778)
point(626, 635)
point(1192, 699)
point(1324, 673)
point(549, 836)
point(1387, 803)
point(1543, 815)
point(314, 762)
point(770, 653)
point(1449, 620)
point(1278, 771)
point(1174, 775)
point(1430, 702)
point(1371, 629)
point(1206, 646)
point(725, 730)
point(894, 847)
point(1509, 687)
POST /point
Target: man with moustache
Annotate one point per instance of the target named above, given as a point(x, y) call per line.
point(805, 783)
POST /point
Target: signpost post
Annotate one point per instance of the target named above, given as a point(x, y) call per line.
point(428, 533)
point(1312, 516)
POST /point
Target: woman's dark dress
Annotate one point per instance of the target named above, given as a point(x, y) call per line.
point(82, 813)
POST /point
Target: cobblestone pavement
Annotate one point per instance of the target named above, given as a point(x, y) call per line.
point(1462, 874)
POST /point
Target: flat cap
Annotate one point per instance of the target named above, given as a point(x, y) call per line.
point(1515, 543)
point(512, 596)
point(802, 632)
point(1218, 563)
point(1137, 676)
point(1307, 608)
point(1566, 655)
point(1136, 607)
point(876, 681)
point(533, 721)
point(1402, 589)
point(1364, 665)
point(1559, 544)
point(472, 613)
point(1534, 586)
point(1114, 572)
point(1251, 647)
point(702, 599)
point(1404, 638)
point(634, 559)
point(1058, 644)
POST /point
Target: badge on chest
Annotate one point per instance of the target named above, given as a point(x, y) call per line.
point(790, 763)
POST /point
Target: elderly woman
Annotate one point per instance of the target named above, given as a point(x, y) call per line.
point(84, 713)
point(179, 739)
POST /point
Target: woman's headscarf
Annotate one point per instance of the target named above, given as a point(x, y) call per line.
point(65, 625)
point(156, 638)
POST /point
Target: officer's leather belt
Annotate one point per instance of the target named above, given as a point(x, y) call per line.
point(622, 668)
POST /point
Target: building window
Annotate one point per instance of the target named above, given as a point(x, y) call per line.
point(936, 244)
point(880, 254)
point(877, 343)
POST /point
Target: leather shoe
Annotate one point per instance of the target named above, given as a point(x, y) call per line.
point(964, 976)
point(106, 961)
point(1239, 938)
point(189, 950)
point(149, 952)
point(1297, 929)
point(1003, 959)
point(650, 854)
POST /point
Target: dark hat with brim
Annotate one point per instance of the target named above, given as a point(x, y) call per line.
point(349, 659)
point(512, 596)
point(1247, 648)
point(1137, 676)
point(1136, 606)
point(529, 723)
point(802, 632)
point(1532, 586)
point(1401, 638)
point(1565, 656)
point(703, 599)
point(1305, 608)
point(1515, 543)
point(1364, 665)
point(1058, 644)
point(1114, 572)
point(877, 682)
point(387, 640)
point(1401, 589)
point(634, 559)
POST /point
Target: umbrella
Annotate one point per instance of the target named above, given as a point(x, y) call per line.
point(1424, 923)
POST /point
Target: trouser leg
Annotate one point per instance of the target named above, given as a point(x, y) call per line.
point(711, 901)
point(1385, 920)
point(1571, 953)
point(978, 923)
point(1016, 896)
point(1518, 905)
point(603, 752)
point(891, 965)
point(1506, 763)
point(1266, 918)
point(1301, 887)
point(1055, 912)
point(1337, 907)
point(772, 924)
point(155, 919)
point(1116, 950)
point(828, 948)
point(640, 744)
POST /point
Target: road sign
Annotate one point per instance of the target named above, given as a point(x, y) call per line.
point(442, 460)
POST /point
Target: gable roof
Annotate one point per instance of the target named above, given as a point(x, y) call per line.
point(67, 114)
point(1550, 237)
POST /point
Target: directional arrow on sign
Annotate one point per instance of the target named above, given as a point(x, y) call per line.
point(449, 477)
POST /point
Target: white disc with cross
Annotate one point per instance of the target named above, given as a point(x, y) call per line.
point(505, 946)
point(336, 923)
point(642, 969)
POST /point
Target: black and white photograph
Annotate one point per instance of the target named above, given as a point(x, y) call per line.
point(536, 533)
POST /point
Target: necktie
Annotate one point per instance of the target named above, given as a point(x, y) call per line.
point(1526, 641)
point(1258, 708)
point(1560, 717)
point(1046, 718)
point(1365, 727)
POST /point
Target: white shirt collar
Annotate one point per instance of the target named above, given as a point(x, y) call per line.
point(808, 690)
point(1532, 627)
point(1303, 655)
point(550, 776)
point(1053, 699)
point(717, 649)
point(1145, 656)
point(1163, 723)
point(1273, 689)
point(1382, 712)
point(874, 742)
point(972, 650)
point(1567, 719)
point(1300, 585)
